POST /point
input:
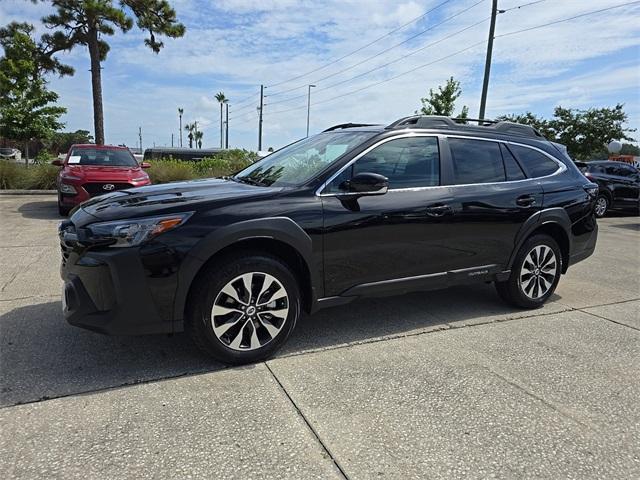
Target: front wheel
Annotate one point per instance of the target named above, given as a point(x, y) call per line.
point(243, 308)
point(535, 273)
point(62, 210)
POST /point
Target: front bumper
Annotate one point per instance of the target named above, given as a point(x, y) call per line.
point(109, 291)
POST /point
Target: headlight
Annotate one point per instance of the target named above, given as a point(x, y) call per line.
point(66, 188)
point(135, 231)
point(140, 179)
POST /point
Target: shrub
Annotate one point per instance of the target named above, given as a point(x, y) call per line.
point(35, 177)
point(225, 163)
point(163, 171)
point(10, 174)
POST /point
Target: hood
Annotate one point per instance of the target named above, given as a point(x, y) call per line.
point(98, 173)
point(169, 197)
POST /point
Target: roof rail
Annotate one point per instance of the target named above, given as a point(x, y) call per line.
point(349, 125)
point(438, 121)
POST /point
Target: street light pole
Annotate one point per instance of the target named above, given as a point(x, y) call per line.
point(226, 137)
point(487, 64)
point(309, 107)
point(260, 118)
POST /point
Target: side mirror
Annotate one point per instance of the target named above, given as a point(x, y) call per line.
point(366, 183)
point(57, 162)
point(145, 165)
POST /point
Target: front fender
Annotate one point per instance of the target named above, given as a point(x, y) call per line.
point(282, 229)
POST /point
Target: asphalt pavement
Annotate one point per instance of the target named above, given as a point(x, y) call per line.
point(447, 384)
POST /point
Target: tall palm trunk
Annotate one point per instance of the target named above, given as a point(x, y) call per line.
point(96, 85)
point(221, 130)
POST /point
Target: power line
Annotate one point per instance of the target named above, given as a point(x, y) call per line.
point(385, 80)
point(521, 6)
point(566, 19)
point(333, 85)
point(361, 48)
point(374, 56)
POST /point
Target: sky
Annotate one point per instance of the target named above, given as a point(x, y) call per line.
point(234, 46)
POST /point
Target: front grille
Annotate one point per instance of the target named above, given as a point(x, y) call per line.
point(95, 189)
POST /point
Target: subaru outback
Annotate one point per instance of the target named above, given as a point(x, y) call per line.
point(355, 211)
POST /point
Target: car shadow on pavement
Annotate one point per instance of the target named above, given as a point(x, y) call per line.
point(41, 356)
point(41, 210)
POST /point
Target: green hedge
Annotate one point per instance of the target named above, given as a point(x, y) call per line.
point(16, 176)
point(227, 163)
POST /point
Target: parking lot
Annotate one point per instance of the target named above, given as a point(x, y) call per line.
point(447, 384)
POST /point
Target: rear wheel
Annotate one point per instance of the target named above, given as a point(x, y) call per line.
point(602, 205)
point(535, 273)
point(243, 308)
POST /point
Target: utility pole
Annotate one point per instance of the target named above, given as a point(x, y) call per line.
point(172, 140)
point(260, 117)
point(309, 107)
point(226, 139)
point(180, 112)
point(487, 65)
point(140, 137)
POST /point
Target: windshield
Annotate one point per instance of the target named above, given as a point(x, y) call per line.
point(301, 161)
point(102, 157)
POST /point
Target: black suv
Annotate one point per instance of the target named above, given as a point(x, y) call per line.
point(619, 184)
point(355, 211)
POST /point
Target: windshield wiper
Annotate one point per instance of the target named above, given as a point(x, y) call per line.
point(249, 181)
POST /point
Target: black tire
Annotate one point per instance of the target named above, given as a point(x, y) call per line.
point(512, 291)
point(62, 210)
point(604, 201)
point(208, 287)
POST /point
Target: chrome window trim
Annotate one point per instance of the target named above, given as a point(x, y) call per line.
point(561, 166)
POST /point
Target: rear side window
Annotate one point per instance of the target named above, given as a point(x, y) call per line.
point(535, 163)
point(511, 167)
point(476, 161)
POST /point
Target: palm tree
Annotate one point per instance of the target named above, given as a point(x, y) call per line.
point(221, 100)
point(180, 112)
point(192, 129)
point(197, 136)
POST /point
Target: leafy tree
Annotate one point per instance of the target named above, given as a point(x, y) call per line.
point(220, 97)
point(89, 22)
point(630, 149)
point(60, 142)
point(27, 107)
point(585, 133)
point(443, 102)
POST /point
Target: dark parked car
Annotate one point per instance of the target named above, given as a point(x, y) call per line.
point(619, 184)
point(423, 203)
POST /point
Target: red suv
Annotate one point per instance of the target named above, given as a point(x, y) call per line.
point(91, 170)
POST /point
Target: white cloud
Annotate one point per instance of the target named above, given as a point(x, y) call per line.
point(234, 45)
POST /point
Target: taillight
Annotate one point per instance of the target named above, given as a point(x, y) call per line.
point(591, 189)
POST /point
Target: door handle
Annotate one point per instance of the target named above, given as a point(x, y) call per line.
point(526, 201)
point(438, 210)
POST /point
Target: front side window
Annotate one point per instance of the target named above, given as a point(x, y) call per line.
point(406, 162)
point(476, 161)
point(535, 163)
point(301, 161)
point(102, 157)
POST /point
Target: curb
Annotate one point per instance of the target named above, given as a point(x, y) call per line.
point(28, 192)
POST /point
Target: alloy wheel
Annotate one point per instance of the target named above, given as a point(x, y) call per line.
point(601, 206)
point(538, 272)
point(250, 311)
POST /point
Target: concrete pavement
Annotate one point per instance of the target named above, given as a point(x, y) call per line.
point(449, 384)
